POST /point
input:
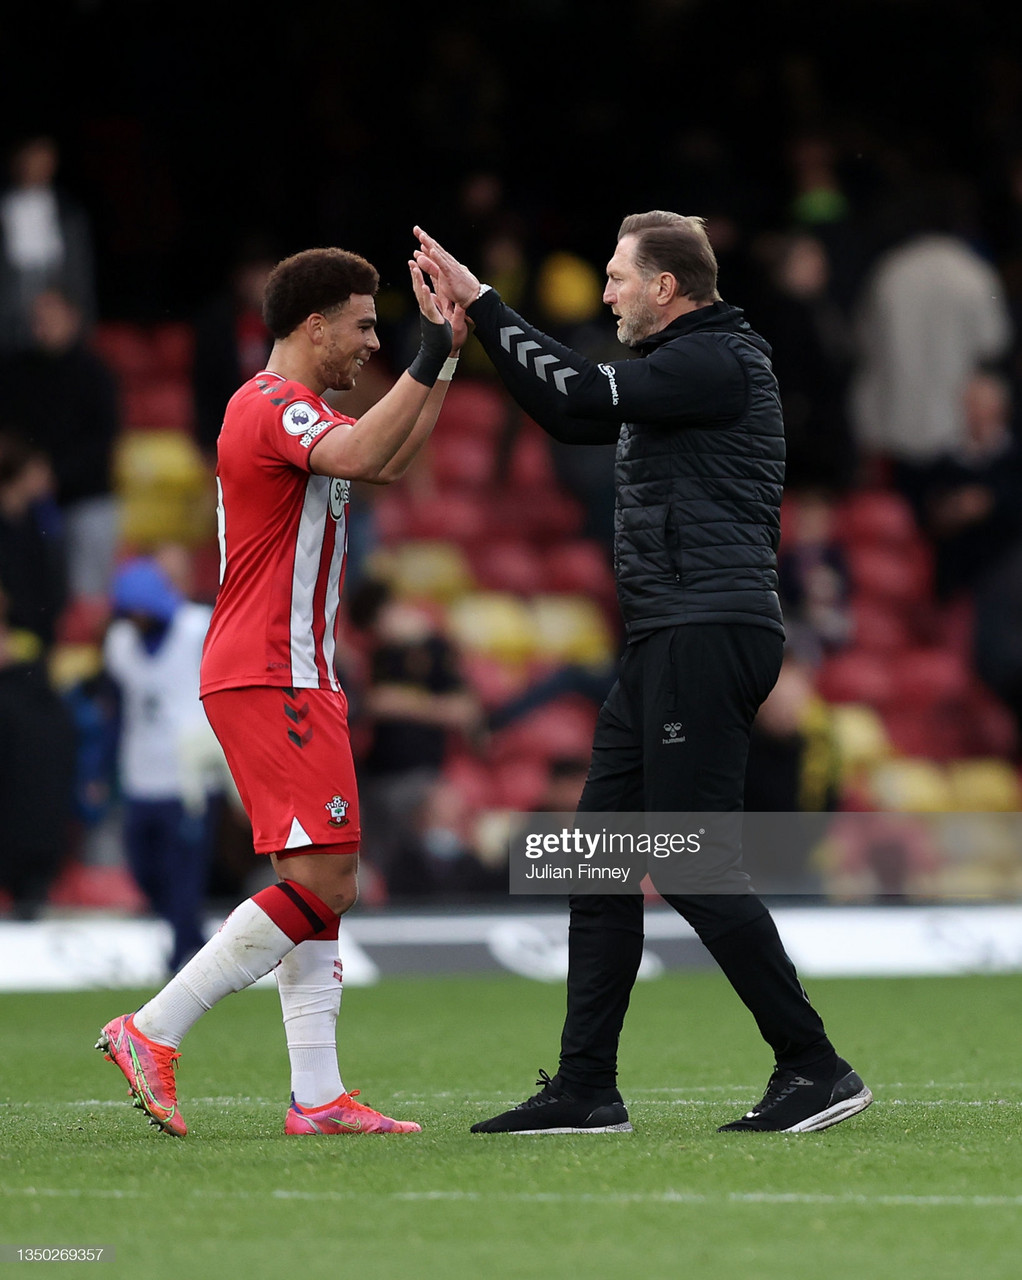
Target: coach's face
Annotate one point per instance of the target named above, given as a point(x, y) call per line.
point(631, 294)
point(348, 339)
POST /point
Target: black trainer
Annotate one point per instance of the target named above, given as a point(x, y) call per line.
point(555, 1109)
point(793, 1103)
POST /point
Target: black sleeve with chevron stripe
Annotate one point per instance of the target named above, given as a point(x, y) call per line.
point(541, 374)
point(691, 381)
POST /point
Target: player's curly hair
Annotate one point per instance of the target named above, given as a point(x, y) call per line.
point(671, 242)
point(315, 280)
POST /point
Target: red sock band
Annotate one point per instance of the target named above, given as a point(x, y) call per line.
point(297, 911)
point(330, 933)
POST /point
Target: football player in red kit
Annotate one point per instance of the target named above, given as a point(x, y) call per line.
point(285, 460)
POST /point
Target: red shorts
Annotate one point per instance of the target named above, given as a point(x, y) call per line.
point(289, 752)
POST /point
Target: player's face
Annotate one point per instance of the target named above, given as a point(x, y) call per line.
point(629, 294)
point(349, 340)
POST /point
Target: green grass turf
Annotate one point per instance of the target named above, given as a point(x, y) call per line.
point(927, 1184)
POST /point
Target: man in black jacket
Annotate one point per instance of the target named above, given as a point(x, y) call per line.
point(699, 474)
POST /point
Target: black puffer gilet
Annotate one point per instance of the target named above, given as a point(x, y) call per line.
point(697, 520)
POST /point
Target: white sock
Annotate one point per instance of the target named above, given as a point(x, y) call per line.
point(309, 982)
point(247, 946)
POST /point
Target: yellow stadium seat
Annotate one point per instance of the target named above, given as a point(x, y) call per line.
point(571, 628)
point(984, 786)
point(165, 489)
point(860, 737)
point(69, 664)
point(911, 785)
point(431, 570)
point(495, 623)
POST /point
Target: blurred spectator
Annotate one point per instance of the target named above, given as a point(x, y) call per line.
point(566, 779)
point(813, 577)
point(886, 858)
point(933, 331)
point(414, 700)
point(812, 356)
point(152, 651)
point(31, 549)
point(63, 398)
point(997, 651)
point(45, 242)
point(793, 758)
point(439, 854)
point(822, 209)
point(591, 682)
point(36, 777)
point(231, 342)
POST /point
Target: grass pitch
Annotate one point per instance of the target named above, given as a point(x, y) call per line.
point(925, 1185)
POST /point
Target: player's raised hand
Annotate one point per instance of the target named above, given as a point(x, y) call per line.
point(455, 315)
point(457, 281)
point(424, 295)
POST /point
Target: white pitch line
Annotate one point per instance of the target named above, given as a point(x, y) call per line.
point(666, 1197)
point(423, 1098)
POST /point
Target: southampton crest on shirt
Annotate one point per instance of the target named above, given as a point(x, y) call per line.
point(337, 807)
point(339, 490)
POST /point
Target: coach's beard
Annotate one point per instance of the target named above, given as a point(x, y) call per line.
point(638, 324)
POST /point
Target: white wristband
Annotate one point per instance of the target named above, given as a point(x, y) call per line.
point(447, 370)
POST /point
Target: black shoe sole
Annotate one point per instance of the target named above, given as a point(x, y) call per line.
point(842, 1109)
point(609, 1118)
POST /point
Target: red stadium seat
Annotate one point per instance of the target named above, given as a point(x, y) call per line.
point(126, 349)
point(989, 727)
point(560, 728)
point(879, 627)
point(928, 678)
point(84, 620)
point(581, 565)
point(391, 514)
point(547, 516)
point(471, 779)
point(935, 733)
point(473, 408)
point(462, 460)
point(902, 575)
point(159, 405)
point(877, 516)
point(459, 517)
point(509, 565)
point(493, 681)
point(532, 465)
point(520, 784)
point(856, 675)
point(173, 345)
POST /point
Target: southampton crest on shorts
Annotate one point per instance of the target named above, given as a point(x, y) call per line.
point(338, 810)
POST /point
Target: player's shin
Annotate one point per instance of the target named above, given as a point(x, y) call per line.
point(309, 983)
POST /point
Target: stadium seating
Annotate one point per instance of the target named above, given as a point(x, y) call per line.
point(494, 623)
point(510, 564)
point(165, 489)
point(428, 569)
point(984, 786)
point(856, 675)
point(877, 517)
point(911, 785)
point(572, 629)
point(561, 728)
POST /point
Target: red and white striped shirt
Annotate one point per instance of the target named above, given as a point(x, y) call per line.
point(283, 540)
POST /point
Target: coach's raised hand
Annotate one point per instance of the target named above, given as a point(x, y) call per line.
point(450, 275)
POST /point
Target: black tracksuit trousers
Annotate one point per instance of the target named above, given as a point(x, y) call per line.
point(709, 679)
